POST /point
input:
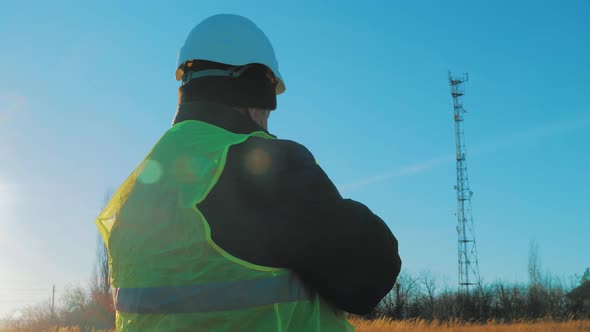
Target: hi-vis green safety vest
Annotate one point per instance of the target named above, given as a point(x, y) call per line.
point(168, 274)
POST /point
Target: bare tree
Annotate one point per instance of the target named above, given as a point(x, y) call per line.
point(428, 290)
point(398, 301)
point(100, 287)
point(534, 264)
point(102, 271)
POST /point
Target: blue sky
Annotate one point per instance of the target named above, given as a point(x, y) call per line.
point(87, 89)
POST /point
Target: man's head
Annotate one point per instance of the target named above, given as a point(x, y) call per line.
point(227, 59)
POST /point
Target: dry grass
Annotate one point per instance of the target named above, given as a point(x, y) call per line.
point(55, 329)
point(382, 325)
point(386, 325)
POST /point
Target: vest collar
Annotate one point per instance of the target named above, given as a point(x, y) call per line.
point(219, 115)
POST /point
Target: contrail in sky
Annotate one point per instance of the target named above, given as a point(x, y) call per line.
point(411, 169)
point(521, 137)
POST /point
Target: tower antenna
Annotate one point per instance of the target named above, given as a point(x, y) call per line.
point(467, 249)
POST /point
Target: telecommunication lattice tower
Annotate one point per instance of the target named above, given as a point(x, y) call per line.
point(467, 249)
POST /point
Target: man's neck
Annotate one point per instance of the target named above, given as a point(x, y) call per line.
point(219, 115)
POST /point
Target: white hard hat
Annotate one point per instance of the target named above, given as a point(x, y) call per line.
point(232, 40)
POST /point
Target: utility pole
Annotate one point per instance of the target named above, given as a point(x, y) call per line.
point(53, 302)
point(467, 250)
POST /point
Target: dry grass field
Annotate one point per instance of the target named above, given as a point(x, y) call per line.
point(384, 325)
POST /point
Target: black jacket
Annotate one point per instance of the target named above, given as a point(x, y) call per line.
point(274, 206)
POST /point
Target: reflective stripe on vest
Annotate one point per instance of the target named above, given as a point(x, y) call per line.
point(210, 297)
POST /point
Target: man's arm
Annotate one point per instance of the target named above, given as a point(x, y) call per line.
point(337, 246)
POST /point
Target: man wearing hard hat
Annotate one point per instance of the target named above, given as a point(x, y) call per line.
point(224, 227)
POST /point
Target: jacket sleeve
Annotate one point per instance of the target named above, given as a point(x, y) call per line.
point(337, 246)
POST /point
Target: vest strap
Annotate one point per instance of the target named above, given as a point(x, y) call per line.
point(210, 297)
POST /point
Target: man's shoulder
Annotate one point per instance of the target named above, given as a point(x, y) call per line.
point(268, 161)
point(278, 150)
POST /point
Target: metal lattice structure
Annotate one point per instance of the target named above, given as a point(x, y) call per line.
point(468, 262)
